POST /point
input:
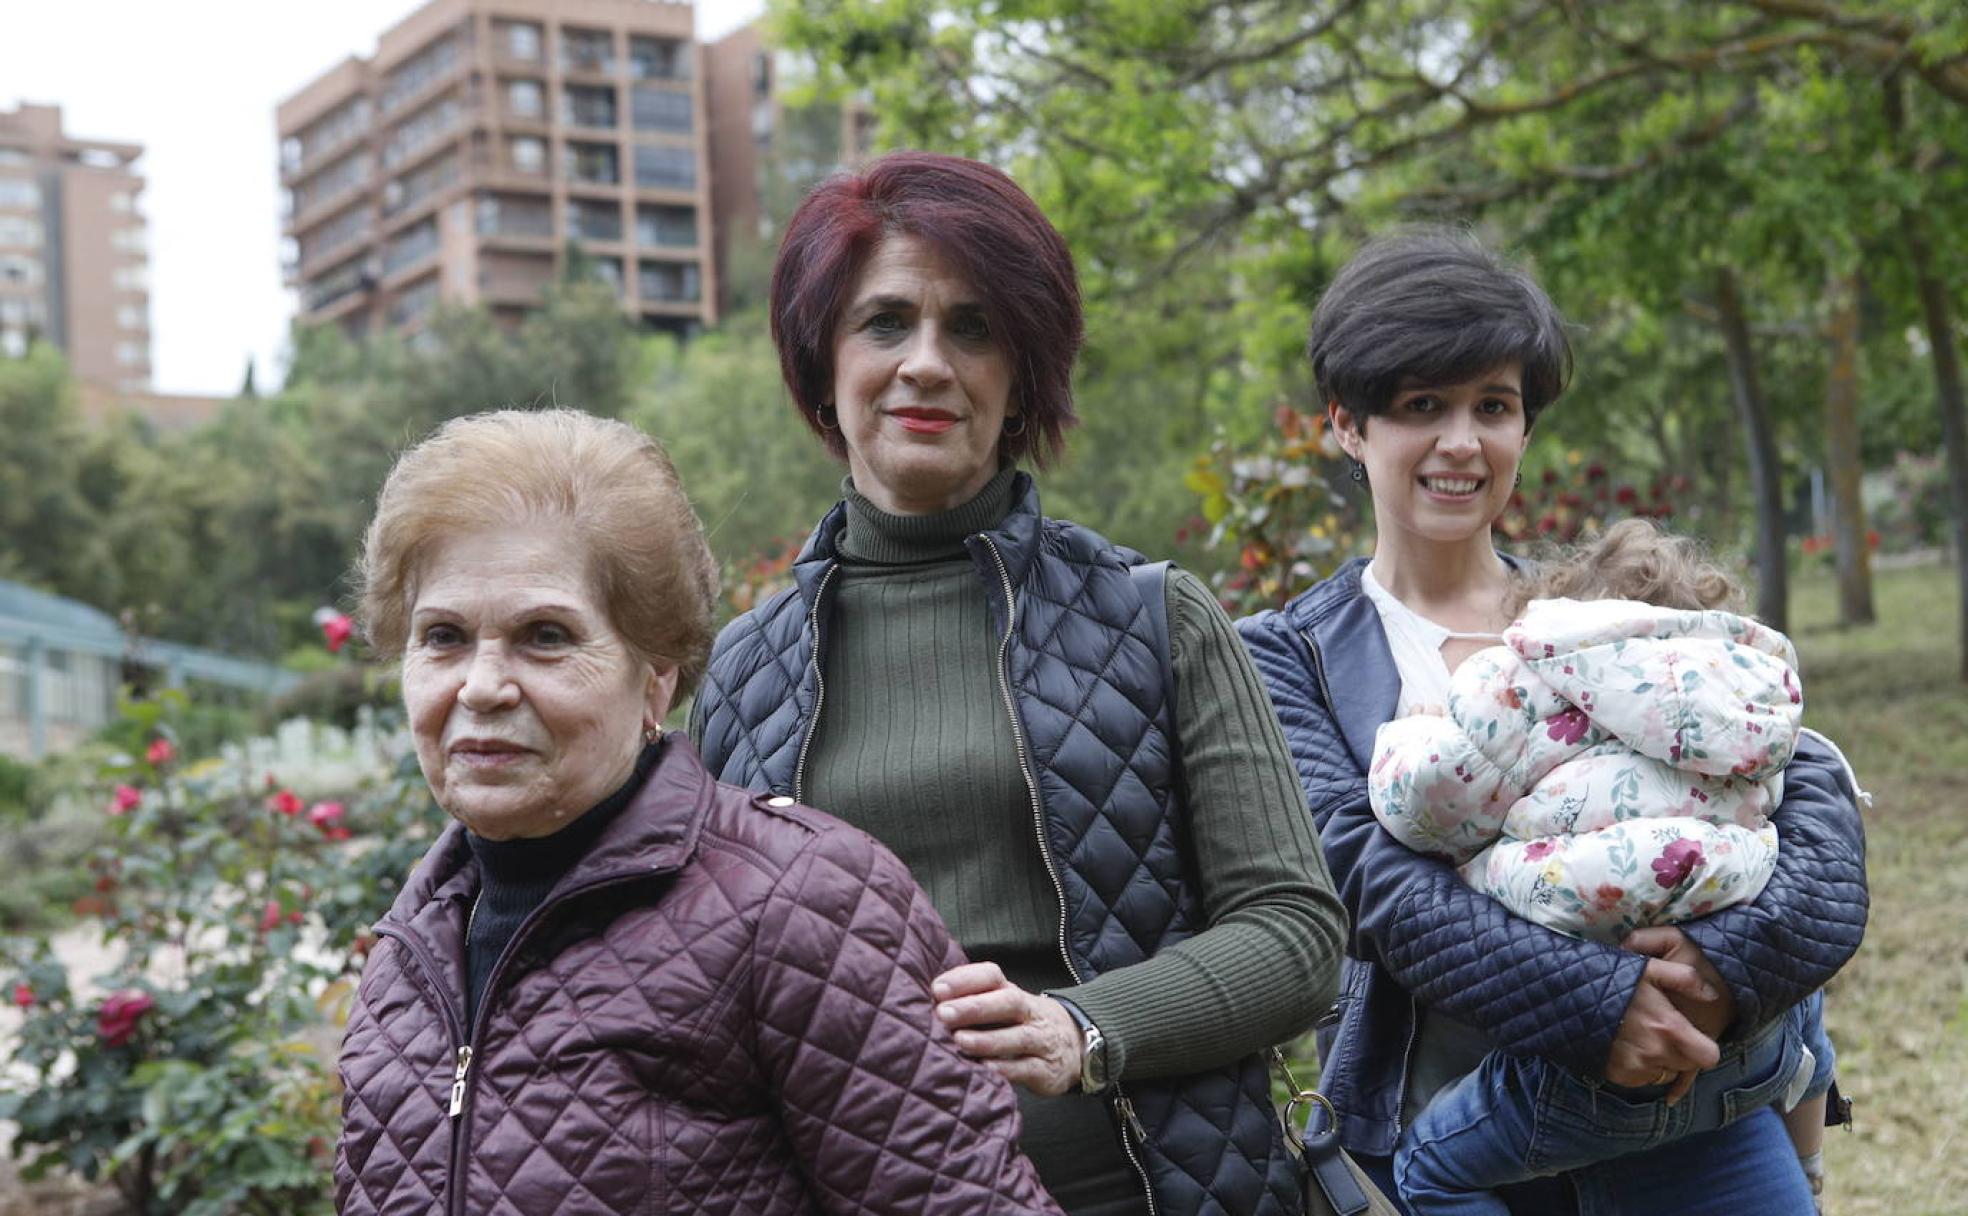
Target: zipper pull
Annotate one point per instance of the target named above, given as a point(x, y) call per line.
point(458, 1081)
point(1127, 1112)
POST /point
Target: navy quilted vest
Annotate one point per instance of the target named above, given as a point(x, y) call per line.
point(1093, 721)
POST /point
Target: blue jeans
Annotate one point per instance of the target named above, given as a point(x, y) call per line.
point(1520, 1117)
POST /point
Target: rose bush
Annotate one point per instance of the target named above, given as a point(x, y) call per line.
point(196, 1074)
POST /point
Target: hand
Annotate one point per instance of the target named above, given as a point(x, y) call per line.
point(1712, 1014)
point(1031, 1040)
point(1656, 1040)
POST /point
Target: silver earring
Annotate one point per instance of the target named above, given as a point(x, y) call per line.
point(829, 418)
point(651, 734)
point(1014, 426)
point(1358, 472)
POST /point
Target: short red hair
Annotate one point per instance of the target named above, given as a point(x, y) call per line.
point(990, 231)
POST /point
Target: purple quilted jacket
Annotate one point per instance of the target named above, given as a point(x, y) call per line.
point(724, 1008)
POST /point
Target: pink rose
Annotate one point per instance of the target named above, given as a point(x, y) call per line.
point(286, 802)
point(120, 1013)
point(23, 995)
point(126, 799)
point(337, 629)
point(1567, 726)
point(270, 916)
point(161, 752)
point(325, 815)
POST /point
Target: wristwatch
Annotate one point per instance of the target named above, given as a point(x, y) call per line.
point(1093, 1057)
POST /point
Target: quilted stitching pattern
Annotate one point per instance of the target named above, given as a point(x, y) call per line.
point(1418, 930)
point(749, 1033)
point(1088, 686)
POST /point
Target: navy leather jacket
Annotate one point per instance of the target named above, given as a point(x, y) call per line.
point(1420, 936)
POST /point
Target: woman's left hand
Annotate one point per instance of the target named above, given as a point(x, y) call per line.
point(1030, 1039)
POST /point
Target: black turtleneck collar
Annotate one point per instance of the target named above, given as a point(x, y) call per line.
point(876, 537)
point(515, 876)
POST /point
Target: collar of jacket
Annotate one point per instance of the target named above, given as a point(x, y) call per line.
point(1351, 655)
point(655, 834)
point(1016, 537)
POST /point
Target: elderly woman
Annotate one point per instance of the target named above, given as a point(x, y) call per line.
point(1123, 848)
point(614, 985)
point(1435, 359)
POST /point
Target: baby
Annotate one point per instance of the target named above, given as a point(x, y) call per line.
point(1612, 765)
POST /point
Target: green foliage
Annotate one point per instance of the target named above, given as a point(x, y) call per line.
point(192, 1074)
point(1279, 509)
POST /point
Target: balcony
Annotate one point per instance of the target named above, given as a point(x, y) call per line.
point(665, 168)
point(590, 52)
point(593, 221)
point(655, 108)
point(669, 282)
point(526, 219)
point(658, 58)
point(592, 164)
point(672, 226)
point(410, 247)
point(586, 105)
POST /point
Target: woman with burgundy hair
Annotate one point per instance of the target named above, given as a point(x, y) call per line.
point(1069, 748)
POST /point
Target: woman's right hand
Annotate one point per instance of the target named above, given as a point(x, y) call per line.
point(1656, 1041)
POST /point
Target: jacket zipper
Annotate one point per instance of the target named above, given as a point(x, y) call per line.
point(1121, 1104)
point(819, 686)
point(1414, 1006)
point(462, 1057)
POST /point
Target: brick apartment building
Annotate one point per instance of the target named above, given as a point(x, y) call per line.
point(74, 266)
point(458, 162)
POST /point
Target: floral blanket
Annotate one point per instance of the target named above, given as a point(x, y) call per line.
point(1612, 765)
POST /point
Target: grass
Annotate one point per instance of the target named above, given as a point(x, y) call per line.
point(1889, 695)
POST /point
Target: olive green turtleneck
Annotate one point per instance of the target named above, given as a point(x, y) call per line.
point(915, 746)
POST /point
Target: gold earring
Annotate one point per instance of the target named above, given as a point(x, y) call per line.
point(651, 734)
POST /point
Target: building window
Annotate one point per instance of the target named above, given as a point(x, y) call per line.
point(666, 226)
point(130, 354)
point(411, 246)
point(666, 168)
point(609, 271)
point(523, 41)
point(19, 270)
point(19, 192)
point(526, 99)
point(588, 105)
point(13, 343)
point(593, 221)
point(130, 316)
point(130, 240)
point(659, 58)
point(514, 216)
point(14, 156)
point(592, 164)
point(587, 51)
point(414, 303)
point(421, 71)
point(660, 109)
point(529, 156)
point(669, 282)
point(123, 202)
point(132, 278)
point(20, 231)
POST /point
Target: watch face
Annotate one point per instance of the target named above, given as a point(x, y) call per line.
point(1093, 1068)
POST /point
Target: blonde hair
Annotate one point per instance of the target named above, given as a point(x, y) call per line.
point(614, 485)
point(1634, 560)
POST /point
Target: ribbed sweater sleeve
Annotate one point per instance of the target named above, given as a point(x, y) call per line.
point(1268, 964)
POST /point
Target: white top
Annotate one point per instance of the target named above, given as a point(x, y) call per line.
point(1416, 643)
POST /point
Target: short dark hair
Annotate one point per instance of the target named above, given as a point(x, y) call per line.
point(991, 232)
point(1435, 305)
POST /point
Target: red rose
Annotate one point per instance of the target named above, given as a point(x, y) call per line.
point(120, 1013)
point(270, 916)
point(126, 799)
point(161, 752)
point(23, 995)
point(286, 802)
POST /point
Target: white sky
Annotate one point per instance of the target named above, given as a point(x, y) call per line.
point(195, 82)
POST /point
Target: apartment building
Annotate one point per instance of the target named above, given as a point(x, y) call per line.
point(766, 154)
point(459, 161)
point(74, 262)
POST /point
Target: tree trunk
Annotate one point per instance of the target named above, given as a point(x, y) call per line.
point(1843, 466)
point(1765, 476)
point(1951, 401)
point(1948, 395)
